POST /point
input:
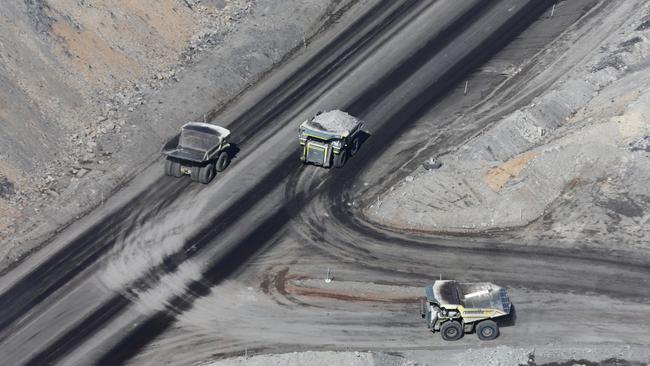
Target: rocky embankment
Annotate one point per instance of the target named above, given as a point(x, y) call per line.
point(572, 166)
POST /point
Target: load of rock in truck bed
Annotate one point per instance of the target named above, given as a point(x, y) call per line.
point(335, 123)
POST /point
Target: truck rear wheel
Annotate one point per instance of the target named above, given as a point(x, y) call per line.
point(223, 161)
point(195, 173)
point(451, 331)
point(206, 174)
point(168, 167)
point(173, 168)
point(487, 330)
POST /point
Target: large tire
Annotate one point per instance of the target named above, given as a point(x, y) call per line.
point(354, 146)
point(195, 173)
point(451, 331)
point(173, 168)
point(487, 330)
point(168, 167)
point(223, 161)
point(340, 159)
point(206, 174)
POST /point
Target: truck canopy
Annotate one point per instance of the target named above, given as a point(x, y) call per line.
point(480, 295)
point(334, 124)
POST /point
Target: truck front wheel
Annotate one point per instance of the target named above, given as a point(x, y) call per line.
point(173, 168)
point(487, 330)
point(451, 331)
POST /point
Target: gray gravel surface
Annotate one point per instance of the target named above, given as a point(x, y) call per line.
point(175, 273)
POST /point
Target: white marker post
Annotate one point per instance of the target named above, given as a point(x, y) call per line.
point(328, 279)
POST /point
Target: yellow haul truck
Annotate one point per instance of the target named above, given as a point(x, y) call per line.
point(454, 309)
point(329, 139)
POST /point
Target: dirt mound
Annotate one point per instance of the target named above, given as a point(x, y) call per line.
point(317, 359)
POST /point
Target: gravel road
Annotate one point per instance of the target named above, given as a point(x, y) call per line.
point(170, 272)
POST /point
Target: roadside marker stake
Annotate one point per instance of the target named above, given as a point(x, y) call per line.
point(466, 85)
point(553, 11)
point(328, 279)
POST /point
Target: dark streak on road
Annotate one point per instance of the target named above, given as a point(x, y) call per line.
point(244, 250)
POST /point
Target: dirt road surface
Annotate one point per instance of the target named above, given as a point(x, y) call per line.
point(170, 272)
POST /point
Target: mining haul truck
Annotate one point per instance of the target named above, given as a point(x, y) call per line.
point(200, 150)
point(329, 139)
point(454, 309)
